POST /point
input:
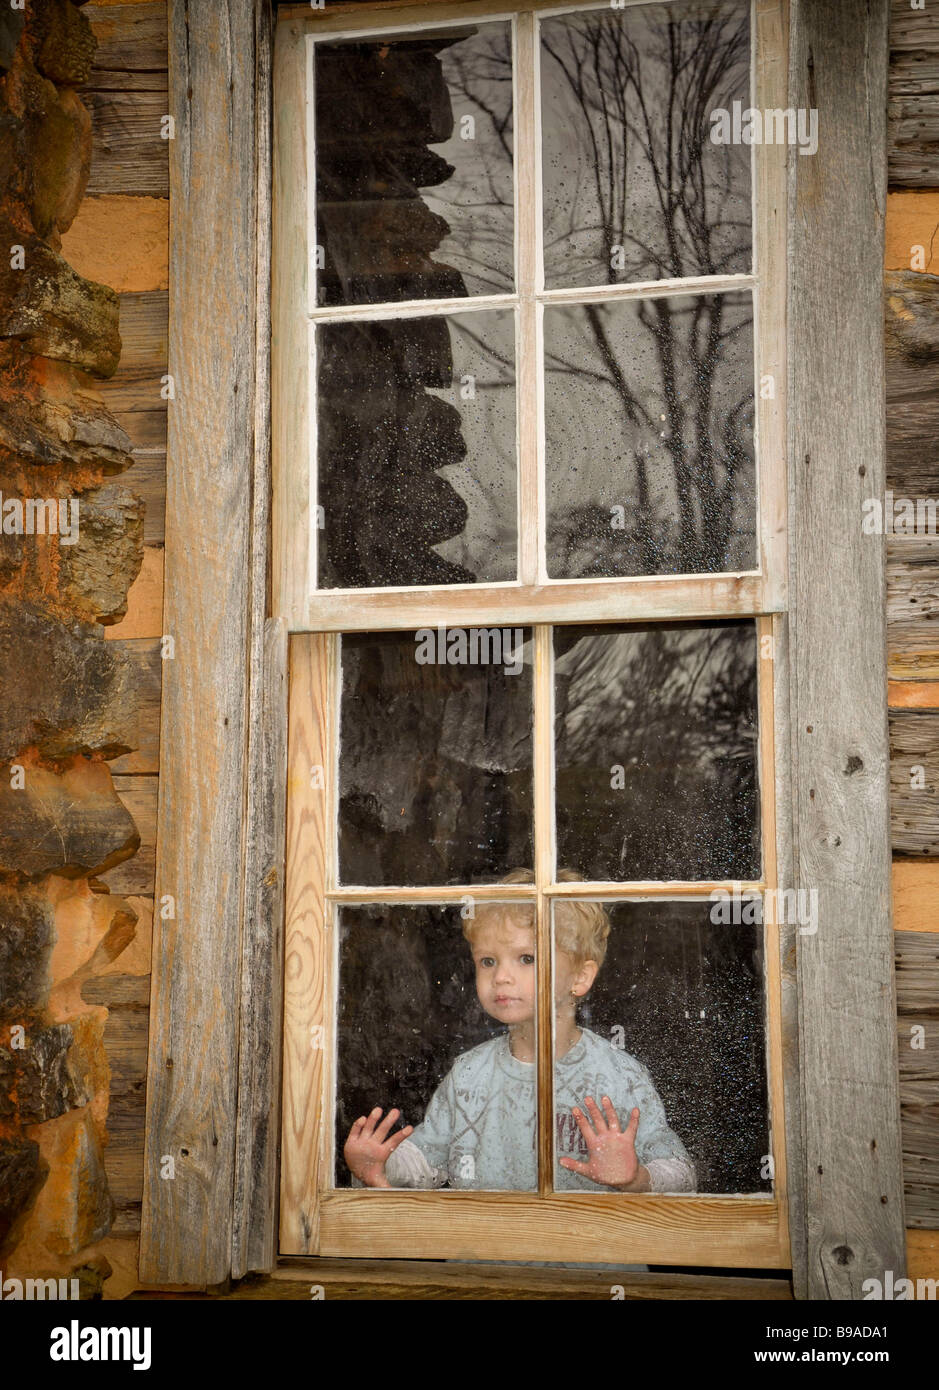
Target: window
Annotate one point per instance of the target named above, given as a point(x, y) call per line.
point(529, 371)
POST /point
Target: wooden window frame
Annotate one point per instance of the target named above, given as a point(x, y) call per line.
point(214, 1083)
point(316, 1219)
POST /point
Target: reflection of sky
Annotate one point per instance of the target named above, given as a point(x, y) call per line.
point(592, 442)
point(594, 139)
point(478, 199)
point(486, 478)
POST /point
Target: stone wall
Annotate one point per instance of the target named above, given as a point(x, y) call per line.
point(73, 699)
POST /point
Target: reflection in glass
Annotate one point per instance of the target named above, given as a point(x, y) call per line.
point(416, 449)
point(432, 1001)
point(649, 437)
point(656, 751)
point(674, 1024)
point(414, 187)
point(435, 761)
point(634, 186)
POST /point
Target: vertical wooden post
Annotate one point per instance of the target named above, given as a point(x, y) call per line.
point(853, 1227)
point(186, 1233)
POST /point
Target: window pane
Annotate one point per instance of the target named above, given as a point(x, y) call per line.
point(649, 452)
point(435, 763)
point(414, 187)
point(674, 1026)
point(415, 1034)
point(634, 186)
point(416, 451)
point(656, 751)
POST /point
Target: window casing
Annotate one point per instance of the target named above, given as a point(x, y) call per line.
point(316, 1218)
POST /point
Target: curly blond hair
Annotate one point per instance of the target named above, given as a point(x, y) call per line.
point(581, 927)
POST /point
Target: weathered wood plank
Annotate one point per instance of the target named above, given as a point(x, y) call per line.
point(260, 1046)
point(918, 983)
point(128, 153)
point(912, 571)
point(920, 1116)
point(145, 654)
point(840, 750)
point(367, 1280)
point(404, 1280)
point(147, 477)
point(139, 795)
point(146, 429)
point(911, 305)
point(913, 126)
point(131, 39)
point(914, 141)
point(144, 326)
point(186, 1230)
point(914, 779)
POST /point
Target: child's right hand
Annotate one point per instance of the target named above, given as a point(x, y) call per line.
point(368, 1147)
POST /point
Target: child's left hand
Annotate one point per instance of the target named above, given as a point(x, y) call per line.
point(611, 1151)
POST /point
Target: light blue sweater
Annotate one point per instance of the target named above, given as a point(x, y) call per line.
point(479, 1129)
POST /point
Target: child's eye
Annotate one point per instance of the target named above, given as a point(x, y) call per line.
point(487, 961)
point(528, 960)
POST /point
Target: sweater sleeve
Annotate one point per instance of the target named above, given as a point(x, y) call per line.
point(421, 1159)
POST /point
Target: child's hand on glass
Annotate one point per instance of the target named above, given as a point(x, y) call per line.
point(368, 1147)
point(611, 1151)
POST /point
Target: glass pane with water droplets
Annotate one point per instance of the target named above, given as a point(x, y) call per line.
point(414, 175)
point(432, 1002)
point(435, 756)
point(672, 1025)
point(636, 185)
point(656, 754)
point(416, 451)
point(649, 445)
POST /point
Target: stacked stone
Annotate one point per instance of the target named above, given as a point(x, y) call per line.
point(69, 703)
point(382, 437)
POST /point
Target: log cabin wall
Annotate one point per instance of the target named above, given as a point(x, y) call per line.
point(74, 961)
point(83, 98)
point(911, 302)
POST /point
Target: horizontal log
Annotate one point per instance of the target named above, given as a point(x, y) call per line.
point(917, 963)
point(912, 31)
point(148, 664)
point(914, 778)
point(403, 1280)
point(148, 480)
point(147, 431)
point(131, 39)
point(913, 607)
point(144, 331)
point(128, 154)
point(136, 875)
point(913, 142)
point(914, 73)
point(917, 967)
point(919, 1111)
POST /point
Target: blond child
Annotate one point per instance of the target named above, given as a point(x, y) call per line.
point(479, 1128)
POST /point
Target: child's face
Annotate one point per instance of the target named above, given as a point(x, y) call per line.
point(504, 956)
point(506, 979)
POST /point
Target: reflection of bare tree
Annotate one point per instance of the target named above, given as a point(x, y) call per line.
point(634, 190)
